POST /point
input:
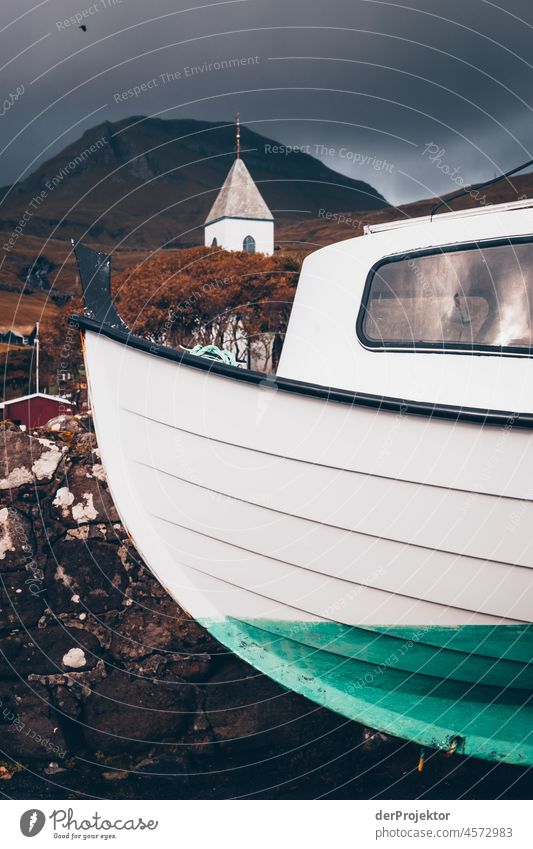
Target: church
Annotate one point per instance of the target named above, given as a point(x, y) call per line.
point(239, 219)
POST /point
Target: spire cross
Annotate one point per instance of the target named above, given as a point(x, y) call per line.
point(238, 135)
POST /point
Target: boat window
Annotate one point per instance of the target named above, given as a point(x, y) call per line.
point(477, 296)
point(249, 244)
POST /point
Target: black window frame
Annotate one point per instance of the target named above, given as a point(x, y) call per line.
point(253, 242)
point(432, 347)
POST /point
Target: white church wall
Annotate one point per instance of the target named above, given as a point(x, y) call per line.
point(231, 232)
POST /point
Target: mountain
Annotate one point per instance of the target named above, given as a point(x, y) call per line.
point(312, 233)
point(143, 183)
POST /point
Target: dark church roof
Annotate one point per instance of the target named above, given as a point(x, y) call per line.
point(239, 197)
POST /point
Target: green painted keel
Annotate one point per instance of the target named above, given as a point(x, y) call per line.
point(430, 685)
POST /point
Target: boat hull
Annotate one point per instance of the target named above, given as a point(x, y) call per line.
point(368, 680)
point(375, 562)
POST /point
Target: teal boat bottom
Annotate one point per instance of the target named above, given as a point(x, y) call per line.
point(465, 688)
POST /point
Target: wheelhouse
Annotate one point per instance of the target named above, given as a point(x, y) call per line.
point(437, 309)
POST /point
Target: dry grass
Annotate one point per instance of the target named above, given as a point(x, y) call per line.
point(21, 312)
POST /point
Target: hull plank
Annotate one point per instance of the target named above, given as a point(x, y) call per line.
point(411, 651)
point(495, 724)
point(477, 525)
point(256, 533)
point(491, 460)
point(512, 642)
point(319, 594)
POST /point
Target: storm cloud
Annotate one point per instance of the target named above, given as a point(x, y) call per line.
point(374, 88)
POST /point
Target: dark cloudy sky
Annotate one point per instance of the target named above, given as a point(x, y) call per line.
point(376, 79)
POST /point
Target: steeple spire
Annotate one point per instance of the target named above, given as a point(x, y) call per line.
point(238, 135)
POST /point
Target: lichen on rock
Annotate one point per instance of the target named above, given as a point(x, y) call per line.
point(26, 459)
point(84, 512)
point(64, 498)
point(74, 658)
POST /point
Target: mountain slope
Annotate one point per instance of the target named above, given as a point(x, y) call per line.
point(310, 233)
point(147, 182)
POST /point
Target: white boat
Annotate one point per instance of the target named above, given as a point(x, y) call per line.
point(359, 525)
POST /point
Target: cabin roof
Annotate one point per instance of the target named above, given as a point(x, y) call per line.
point(57, 398)
point(20, 330)
point(239, 197)
point(446, 216)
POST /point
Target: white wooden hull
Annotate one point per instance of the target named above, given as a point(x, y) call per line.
point(241, 496)
point(335, 547)
point(371, 554)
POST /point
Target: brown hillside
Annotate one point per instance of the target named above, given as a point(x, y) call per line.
point(22, 312)
point(309, 233)
point(144, 183)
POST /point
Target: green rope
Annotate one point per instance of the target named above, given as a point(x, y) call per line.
point(212, 352)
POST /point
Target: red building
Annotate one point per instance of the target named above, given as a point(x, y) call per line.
point(35, 410)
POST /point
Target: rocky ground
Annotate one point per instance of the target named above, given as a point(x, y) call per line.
point(108, 689)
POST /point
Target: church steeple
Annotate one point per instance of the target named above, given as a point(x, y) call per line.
point(239, 218)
